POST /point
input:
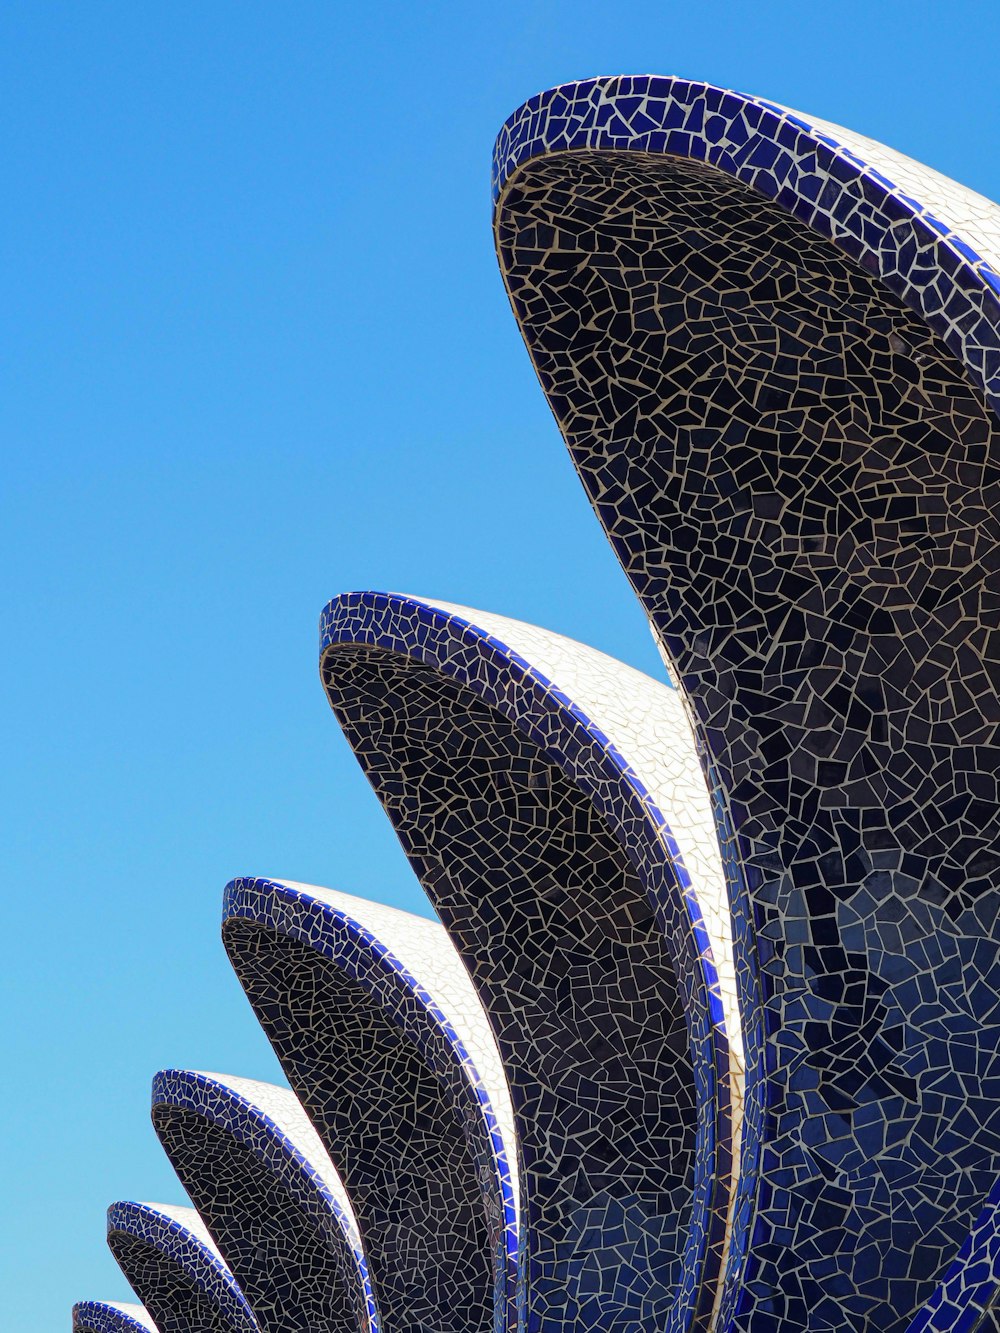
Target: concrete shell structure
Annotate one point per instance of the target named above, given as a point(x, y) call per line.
point(270, 1197)
point(738, 943)
point(551, 803)
point(173, 1266)
point(111, 1317)
point(772, 347)
point(385, 1042)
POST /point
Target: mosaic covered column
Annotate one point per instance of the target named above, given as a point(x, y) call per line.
point(111, 1317)
point(551, 803)
point(173, 1266)
point(385, 1042)
point(772, 348)
point(270, 1197)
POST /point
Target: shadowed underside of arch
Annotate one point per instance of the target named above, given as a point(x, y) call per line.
point(269, 1195)
point(551, 804)
point(173, 1266)
point(111, 1317)
point(771, 346)
point(383, 1039)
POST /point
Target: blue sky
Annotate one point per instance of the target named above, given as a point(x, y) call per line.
point(256, 352)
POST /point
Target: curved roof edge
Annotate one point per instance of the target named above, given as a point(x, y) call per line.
point(900, 220)
point(414, 976)
point(376, 936)
point(271, 1123)
point(420, 627)
point(181, 1238)
point(263, 1116)
point(111, 1317)
point(590, 714)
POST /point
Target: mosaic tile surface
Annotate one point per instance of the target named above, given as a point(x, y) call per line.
point(111, 1317)
point(772, 349)
point(551, 803)
point(968, 1296)
point(932, 241)
point(269, 1195)
point(173, 1266)
point(738, 942)
point(382, 1036)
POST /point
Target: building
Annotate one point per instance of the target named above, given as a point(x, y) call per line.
point(710, 1038)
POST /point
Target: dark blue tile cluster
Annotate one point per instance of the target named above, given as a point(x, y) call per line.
point(556, 876)
point(943, 260)
point(968, 1296)
point(275, 1213)
point(110, 1317)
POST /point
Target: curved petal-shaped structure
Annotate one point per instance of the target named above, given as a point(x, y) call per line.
point(111, 1317)
point(173, 1266)
point(553, 808)
point(269, 1195)
point(772, 347)
point(385, 1042)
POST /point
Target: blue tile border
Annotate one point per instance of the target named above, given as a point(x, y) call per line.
point(929, 266)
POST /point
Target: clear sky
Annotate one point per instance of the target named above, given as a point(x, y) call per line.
point(256, 352)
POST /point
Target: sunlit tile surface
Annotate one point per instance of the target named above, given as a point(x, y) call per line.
point(550, 800)
point(111, 1317)
point(270, 1197)
point(719, 1048)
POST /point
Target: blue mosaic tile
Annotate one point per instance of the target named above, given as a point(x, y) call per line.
point(777, 375)
point(738, 941)
point(111, 1317)
point(583, 889)
point(968, 1296)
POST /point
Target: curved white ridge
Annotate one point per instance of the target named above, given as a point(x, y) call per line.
point(971, 216)
point(190, 1220)
point(425, 950)
point(649, 725)
point(127, 1310)
point(629, 736)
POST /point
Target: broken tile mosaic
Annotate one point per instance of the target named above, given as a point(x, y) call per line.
point(716, 1044)
point(173, 1266)
point(270, 1197)
point(791, 444)
point(111, 1317)
point(552, 806)
point(384, 1040)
